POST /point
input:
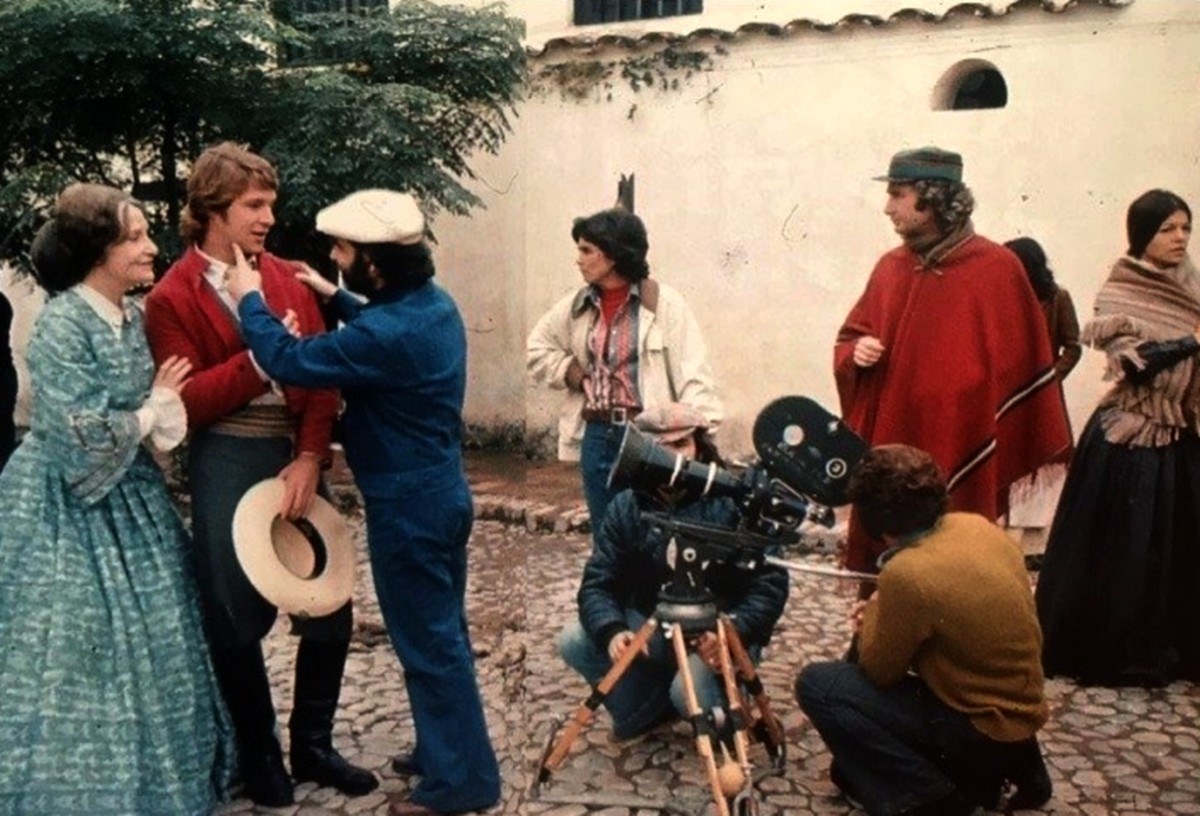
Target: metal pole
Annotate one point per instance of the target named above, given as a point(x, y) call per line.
point(820, 569)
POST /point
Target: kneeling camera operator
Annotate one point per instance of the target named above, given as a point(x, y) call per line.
point(632, 560)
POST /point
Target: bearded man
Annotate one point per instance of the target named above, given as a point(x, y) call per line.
point(400, 360)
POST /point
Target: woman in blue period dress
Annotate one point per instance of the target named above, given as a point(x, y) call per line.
point(109, 703)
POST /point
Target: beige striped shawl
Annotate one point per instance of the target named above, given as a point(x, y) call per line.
point(1140, 302)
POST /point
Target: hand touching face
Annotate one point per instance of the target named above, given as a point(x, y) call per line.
point(242, 277)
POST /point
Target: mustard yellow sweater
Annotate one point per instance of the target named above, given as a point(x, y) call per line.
point(956, 607)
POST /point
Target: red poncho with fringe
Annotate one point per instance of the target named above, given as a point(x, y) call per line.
point(967, 374)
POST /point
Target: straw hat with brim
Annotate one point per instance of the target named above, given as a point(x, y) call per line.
point(305, 567)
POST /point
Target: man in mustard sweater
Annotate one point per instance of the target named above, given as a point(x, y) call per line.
point(942, 708)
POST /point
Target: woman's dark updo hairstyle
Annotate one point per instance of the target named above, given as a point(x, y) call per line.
point(621, 236)
point(897, 490)
point(87, 220)
point(1147, 213)
point(1033, 258)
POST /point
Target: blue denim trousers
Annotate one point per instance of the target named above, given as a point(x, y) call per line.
point(418, 548)
point(651, 684)
point(601, 443)
point(891, 745)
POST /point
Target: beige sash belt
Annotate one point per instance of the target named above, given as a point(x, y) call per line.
point(257, 421)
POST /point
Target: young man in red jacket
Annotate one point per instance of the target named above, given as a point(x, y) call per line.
point(245, 428)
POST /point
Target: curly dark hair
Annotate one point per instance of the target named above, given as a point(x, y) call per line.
point(401, 266)
point(897, 490)
point(951, 201)
point(621, 236)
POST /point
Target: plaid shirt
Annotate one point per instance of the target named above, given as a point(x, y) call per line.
point(613, 355)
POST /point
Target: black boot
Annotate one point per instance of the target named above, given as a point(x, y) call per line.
point(1028, 773)
point(242, 676)
point(954, 804)
point(319, 669)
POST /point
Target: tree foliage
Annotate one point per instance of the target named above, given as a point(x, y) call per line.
point(128, 92)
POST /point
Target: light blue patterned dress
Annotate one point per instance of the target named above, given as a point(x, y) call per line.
point(108, 704)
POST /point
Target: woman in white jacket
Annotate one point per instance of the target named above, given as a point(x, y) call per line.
point(619, 344)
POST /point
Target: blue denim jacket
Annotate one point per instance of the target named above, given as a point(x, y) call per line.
point(628, 566)
point(401, 364)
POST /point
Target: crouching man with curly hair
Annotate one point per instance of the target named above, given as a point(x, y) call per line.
point(941, 709)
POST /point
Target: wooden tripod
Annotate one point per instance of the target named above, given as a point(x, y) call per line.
point(731, 783)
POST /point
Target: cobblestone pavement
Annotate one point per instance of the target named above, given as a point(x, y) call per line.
point(1125, 751)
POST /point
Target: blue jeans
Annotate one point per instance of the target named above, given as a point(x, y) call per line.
point(601, 443)
point(649, 687)
point(891, 745)
point(418, 547)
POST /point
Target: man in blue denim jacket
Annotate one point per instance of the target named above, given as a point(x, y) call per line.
point(620, 588)
point(400, 362)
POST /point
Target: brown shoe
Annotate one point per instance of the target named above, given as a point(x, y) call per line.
point(407, 807)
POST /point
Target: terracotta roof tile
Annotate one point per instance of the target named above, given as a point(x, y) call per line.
point(883, 12)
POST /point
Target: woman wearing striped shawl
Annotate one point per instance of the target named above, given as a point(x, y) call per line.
point(1116, 596)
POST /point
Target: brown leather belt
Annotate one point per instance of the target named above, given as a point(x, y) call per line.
point(613, 416)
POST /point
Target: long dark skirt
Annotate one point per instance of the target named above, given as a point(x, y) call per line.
point(1119, 592)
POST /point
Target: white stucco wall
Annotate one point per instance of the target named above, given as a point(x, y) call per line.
point(754, 176)
point(754, 179)
point(481, 261)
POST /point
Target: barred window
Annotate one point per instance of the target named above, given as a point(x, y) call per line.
point(588, 12)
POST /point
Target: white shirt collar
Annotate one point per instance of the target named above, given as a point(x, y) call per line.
point(216, 271)
point(112, 314)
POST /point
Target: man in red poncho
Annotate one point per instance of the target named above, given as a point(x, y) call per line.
point(946, 349)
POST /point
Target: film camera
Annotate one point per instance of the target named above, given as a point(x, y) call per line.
point(805, 455)
point(805, 458)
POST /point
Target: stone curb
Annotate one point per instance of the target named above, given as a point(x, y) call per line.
point(534, 516)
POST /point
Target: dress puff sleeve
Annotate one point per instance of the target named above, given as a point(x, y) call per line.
point(163, 418)
point(91, 443)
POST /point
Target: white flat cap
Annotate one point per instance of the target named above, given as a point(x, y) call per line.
point(374, 217)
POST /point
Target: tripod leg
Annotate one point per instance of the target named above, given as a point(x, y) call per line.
point(583, 714)
point(774, 738)
point(704, 744)
point(725, 633)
